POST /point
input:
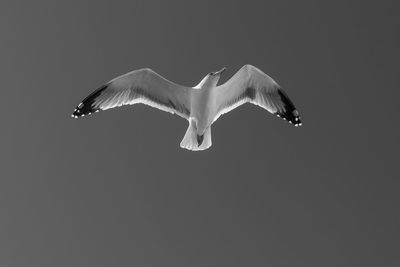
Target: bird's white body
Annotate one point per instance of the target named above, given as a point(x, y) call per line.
point(202, 110)
point(201, 105)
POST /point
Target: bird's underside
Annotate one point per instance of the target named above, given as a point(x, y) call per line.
point(201, 105)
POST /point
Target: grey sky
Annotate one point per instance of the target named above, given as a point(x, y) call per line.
point(115, 189)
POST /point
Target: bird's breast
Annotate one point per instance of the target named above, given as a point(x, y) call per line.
point(202, 105)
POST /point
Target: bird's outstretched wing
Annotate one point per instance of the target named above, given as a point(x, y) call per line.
point(141, 86)
point(252, 85)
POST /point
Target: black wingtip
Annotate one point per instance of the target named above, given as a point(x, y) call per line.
point(86, 107)
point(289, 112)
point(83, 110)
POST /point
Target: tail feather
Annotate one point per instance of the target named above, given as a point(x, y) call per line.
point(191, 142)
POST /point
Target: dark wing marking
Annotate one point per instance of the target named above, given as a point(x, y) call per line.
point(87, 107)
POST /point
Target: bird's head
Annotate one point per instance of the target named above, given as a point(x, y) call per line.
point(211, 79)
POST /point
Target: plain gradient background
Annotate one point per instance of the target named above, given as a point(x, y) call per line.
point(115, 189)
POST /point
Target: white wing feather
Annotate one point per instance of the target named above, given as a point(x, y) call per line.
point(251, 85)
point(141, 86)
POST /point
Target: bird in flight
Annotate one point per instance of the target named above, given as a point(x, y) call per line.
point(201, 105)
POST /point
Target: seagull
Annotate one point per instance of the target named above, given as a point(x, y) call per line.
point(201, 105)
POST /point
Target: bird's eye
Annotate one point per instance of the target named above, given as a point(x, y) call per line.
point(211, 73)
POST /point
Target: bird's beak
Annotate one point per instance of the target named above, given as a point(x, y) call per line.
point(220, 71)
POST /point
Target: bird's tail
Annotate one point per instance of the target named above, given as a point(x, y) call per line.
point(194, 142)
